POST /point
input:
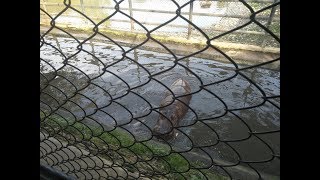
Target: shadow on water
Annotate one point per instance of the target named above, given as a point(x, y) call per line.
point(108, 92)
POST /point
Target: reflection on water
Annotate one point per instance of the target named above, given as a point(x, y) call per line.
point(124, 95)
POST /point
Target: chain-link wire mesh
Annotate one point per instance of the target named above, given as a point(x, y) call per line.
point(113, 109)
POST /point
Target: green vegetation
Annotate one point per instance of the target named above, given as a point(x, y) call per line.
point(120, 146)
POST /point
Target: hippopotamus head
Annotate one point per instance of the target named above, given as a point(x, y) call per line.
point(172, 110)
point(164, 127)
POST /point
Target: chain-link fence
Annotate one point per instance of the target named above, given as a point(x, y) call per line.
point(121, 105)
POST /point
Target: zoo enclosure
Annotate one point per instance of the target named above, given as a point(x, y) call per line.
point(85, 148)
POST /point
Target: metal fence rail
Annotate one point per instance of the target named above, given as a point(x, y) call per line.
point(101, 100)
point(265, 16)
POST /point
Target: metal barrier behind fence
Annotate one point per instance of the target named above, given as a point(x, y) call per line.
point(100, 101)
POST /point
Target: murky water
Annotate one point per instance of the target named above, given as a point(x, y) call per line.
point(108, 92)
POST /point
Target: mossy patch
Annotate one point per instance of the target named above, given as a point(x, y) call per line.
point(120, 147)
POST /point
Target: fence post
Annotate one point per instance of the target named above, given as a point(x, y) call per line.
point(131, 15)
point(272, 13)
point(45, 9)
point(44, 6)
point(82, 7)
point(190, 19)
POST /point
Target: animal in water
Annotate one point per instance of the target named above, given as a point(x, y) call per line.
point(171, 115)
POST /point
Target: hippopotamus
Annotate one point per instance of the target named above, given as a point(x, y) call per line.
point(171, 115)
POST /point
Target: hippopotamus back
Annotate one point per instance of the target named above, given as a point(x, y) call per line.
point(171, 115)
